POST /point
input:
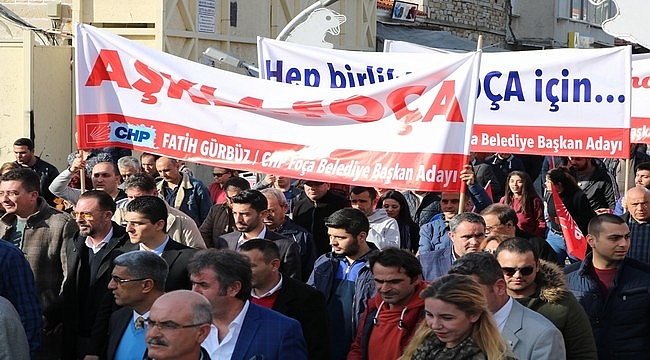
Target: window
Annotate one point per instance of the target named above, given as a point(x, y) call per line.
point(584, 10)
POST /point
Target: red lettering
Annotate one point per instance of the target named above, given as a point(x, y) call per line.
point(176, 89)
point(108, 67)
point(309, 108)
point(641, 83)
point(150, 88)
point(396, 100)
point(445, 104)
point(374, 110)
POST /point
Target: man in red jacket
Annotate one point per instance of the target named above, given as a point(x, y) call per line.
point(393, 313)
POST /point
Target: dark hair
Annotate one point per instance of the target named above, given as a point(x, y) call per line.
point(256, 199)
point(268, 248)
point(237, 182)
point(28, 178)
point(104, 200)
point(142, 181)
point(404, 213)
point(116, 171)
point(353, 221)
point(145, 265)
point(643, 166)
point(150, 207)
point(25, 142)
point(357, 190)
point(518, 246)
point(481, 264)
point(465, 217)
point(503, 212)
point(229, 267)
point(561, 175)
point(596, 223)
point(155, 157)
point(398, 258)
point(528, 192)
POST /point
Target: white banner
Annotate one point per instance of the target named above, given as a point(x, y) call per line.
point(132, 96)
point(640, 98)
point(548, 102)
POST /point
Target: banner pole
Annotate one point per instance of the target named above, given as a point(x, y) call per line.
point(470, 118)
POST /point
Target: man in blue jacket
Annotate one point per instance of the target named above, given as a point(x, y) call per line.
point(614, 290)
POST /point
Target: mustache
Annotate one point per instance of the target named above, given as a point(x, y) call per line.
point(157, 341)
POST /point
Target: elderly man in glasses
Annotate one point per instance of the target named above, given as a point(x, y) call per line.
point(178, 322)
point(541, 286)
point(137, 280)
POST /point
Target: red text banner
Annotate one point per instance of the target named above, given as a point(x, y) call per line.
point(565, 102)
point(410, 133)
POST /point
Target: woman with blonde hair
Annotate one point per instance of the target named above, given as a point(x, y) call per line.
point(457, 324)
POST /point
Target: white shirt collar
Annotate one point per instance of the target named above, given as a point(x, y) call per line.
point(159, 250)
point(224, 350)
point(502, 314)
point(261, 235)
point(105, 240)
point(277, 287)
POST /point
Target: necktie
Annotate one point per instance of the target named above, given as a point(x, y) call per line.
point(139, 323)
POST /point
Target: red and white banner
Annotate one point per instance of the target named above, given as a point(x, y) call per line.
point(569, 102)
point(640, 98)
point(576, 243)
point(412, 132)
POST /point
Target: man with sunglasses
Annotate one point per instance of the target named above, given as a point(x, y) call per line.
point(217, 191)
point(541, 286)
point(85, 299)
point(137, 280)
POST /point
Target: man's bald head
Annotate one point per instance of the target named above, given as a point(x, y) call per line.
point(637, 200)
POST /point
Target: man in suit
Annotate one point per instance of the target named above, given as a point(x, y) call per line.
point(220, 220)
point(86, 300)
point(288, 296)
point(529, 334)
point(178, 323)
point(249, 209)
point(224, 277)
point(146, 221)
point(138, 279)
point(180, 227)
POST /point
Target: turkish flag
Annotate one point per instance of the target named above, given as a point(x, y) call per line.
point(576, 243)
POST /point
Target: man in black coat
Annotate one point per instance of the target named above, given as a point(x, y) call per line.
point(249, 208)
point(288, 296)
point(146, 221)
point(85, 299)
point(310, 212)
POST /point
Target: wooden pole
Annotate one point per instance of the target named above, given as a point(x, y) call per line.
point(463, 186)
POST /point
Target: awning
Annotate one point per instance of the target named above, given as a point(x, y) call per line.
point(430, 38)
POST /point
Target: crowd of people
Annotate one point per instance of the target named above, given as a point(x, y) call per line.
point(124, 257)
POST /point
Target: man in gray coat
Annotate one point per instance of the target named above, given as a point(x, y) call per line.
point(529, 334)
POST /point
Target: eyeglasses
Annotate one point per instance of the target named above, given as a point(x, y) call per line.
point(219, 174)
point(489, 251)
point(85, 215)
point(121, 281)
point(168, 325)
point(525, 271)
point(494, 227)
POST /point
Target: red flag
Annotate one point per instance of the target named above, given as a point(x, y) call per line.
point(488, 189)
point(576, 243)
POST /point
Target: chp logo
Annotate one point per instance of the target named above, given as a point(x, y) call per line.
point(139, 135)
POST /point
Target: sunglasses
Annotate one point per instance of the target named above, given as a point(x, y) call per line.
point(525, 271)
point(219, 174)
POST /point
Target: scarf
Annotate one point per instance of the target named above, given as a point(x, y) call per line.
point(432, 348)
